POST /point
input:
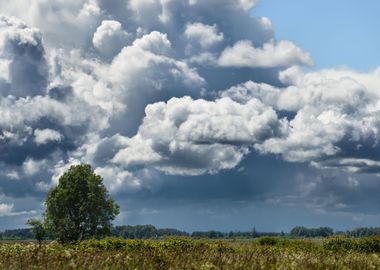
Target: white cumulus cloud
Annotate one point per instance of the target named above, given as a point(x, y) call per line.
point(43, 136)
point(279, 54)
point(110, 38)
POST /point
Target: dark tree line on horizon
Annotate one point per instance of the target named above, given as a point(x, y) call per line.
point(151, 232)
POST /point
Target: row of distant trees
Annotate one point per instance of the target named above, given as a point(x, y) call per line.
point(326, 232)
point(311, 232)
point(150, 231)
point(147, 232)
point(144, 232)
point(233, 234)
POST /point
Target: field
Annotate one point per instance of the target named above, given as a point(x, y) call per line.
point(185, 253)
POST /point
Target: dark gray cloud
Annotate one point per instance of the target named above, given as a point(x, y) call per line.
point(23, 64)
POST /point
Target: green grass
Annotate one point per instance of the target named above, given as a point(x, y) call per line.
point(185, 253)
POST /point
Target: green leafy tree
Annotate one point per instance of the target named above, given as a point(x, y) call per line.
point(37, 229)
point(79, 207)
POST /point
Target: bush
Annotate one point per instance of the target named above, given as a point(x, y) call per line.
point(108, 244)
point(268, 241)
point(364, 245)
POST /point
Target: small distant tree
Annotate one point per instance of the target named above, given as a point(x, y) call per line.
point(79, 207)
point(37, 229)
point(254, 233)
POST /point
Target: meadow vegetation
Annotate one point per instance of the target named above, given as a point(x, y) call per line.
point(187, 253)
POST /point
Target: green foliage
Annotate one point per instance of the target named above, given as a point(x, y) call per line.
point(365, 245)
point(144, 232)
point(268, 241)
point(183, 253)
point(311, 232)
point(209, 234)
point(362, 232)
point(38, 229)
point(80, 206)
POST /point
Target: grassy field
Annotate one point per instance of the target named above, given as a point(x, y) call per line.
point(185, 253)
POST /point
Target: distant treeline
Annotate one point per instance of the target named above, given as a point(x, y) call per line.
point(17, 234)
point(326, 232)
point(361, 232)
point(233, 234)
point(144, 232)
point(150, 231)
point(311, 232)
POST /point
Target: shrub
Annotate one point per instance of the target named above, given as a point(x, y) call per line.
point(268, 241)
point(365, 245)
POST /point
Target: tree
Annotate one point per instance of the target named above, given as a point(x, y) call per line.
point(79, 207)
point(37, 229)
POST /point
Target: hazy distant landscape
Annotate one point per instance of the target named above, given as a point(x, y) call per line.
point(151, 232)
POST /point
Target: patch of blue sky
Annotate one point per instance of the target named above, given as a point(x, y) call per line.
point(336, 32)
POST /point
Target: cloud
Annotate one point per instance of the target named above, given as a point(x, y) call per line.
point(110, 38)
point(186, 136)
point(145, 73)
point(67, 23)
point(205, 35)
point(46, 135)
point(331, 114)
point(280, 54)
point(22, 59)
point(150, 90)
point(243, 4)
point(155, 42)
point(5, 209)
point(244, 92)
point(335, 119)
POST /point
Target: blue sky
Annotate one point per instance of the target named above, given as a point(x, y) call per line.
point(336, 33)
point(198, 115)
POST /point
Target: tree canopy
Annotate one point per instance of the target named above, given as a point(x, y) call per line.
point(300, 231)
point(80, 206)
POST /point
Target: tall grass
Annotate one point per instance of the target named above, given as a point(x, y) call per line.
point(184, 253)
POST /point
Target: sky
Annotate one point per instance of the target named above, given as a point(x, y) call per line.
point(199, 115)
point(336, 33)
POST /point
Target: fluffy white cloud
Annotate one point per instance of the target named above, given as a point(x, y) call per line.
point(279, 54)
point(5, 209)
point(22, 59)
point(69, 22)
point(243, 4)
point(31, 167)
point(118, 180)
point(110, 38)
point(35, 107)
point(244, 92)
point(43, 136)
point(155, 42)
point(186, 136)
point(332, 114)
point(205, 35)
point(145, 73)
point(336, 119)
point(247, 4)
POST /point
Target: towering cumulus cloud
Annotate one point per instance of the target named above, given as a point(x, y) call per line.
point(145, 90)
point(23, 65)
